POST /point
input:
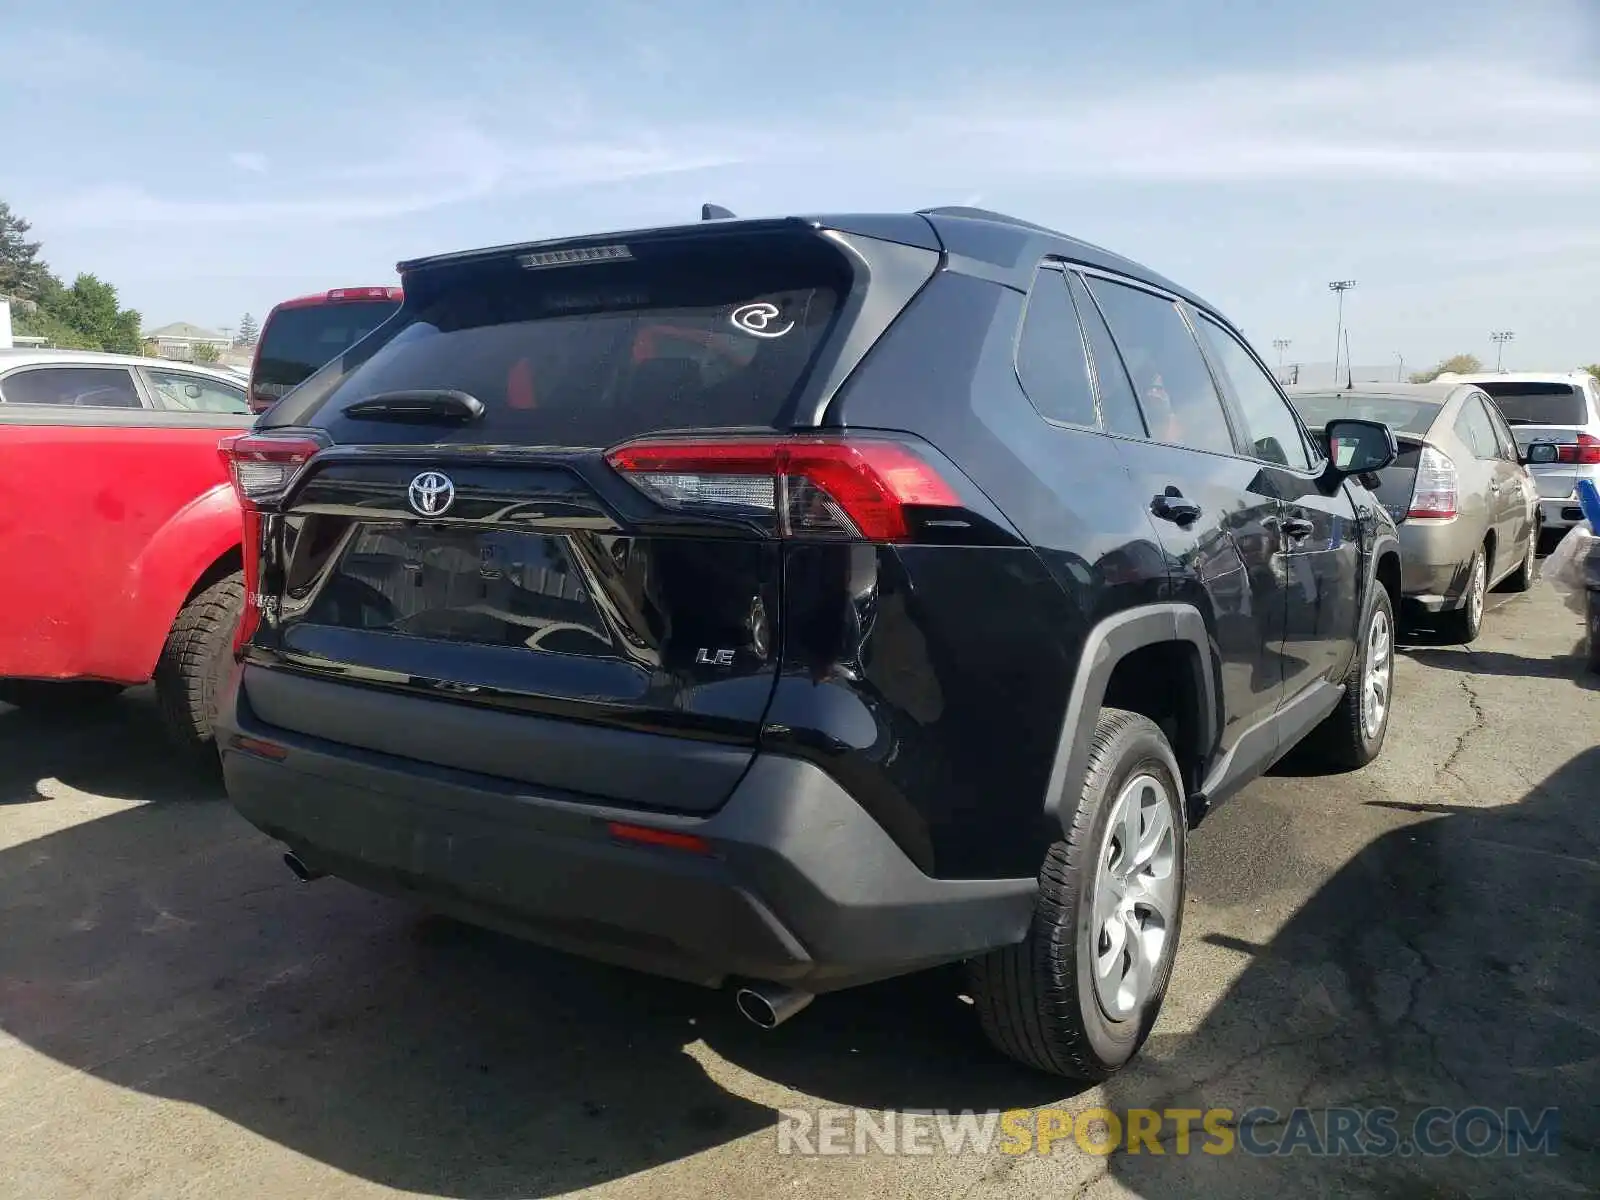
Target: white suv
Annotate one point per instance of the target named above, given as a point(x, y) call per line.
point(1561, 408)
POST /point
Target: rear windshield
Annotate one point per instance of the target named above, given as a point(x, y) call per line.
point(1539, 403)
point(703, 333)
point(296, 341)
point(1402, 416)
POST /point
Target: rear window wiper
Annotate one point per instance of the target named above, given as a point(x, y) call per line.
point(423, 405)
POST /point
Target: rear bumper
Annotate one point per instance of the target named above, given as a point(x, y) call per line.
point(1434, 557)
point(1561, 514)
point(801, 886)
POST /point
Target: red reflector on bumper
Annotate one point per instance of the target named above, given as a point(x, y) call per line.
point(259, 748)
point(670, 839)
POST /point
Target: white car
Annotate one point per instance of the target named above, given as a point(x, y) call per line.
point(93, 379)
point(1562, 408)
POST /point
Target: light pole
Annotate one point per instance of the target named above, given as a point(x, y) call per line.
point(1500, 337)
point(1341, 286)
point(1280, 345)
point(1400, 366)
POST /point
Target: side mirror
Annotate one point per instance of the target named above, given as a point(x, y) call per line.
point(1539, 452)
point(1360, 447)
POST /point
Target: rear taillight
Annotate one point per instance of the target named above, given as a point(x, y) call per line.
point(799, 487)
point(1587, 450)
point(261, 465)
point(1435, 493)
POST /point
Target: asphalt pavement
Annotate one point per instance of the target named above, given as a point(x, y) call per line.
point(180, 1018)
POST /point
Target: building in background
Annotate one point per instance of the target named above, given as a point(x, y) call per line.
point(180, 339)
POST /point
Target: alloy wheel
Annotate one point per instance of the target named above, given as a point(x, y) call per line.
point(1376, 677)
point(1135, 897)
point(1477, 588)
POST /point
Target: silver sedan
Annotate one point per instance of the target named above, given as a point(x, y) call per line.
point(1460, 492)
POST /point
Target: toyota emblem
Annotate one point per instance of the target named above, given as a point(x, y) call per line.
point(432, 494)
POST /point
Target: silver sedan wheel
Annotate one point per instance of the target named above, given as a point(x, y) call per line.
point(1376, 677)
point(1135, 896)
point(1478, 588)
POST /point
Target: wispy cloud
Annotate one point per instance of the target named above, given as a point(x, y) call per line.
point(440, 165)
point(1405, 121)
point(1409, 121)
point(249, 160)
point(47, 57)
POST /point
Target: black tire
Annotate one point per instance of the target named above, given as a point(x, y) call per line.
point(194, 665)
point(1592, 621)
point(54, 697)
point(1037, 1000)
point(1346, 741)
point(1464, 624)
point(1523, 577)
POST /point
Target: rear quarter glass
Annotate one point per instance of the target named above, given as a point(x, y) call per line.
point(708, 334)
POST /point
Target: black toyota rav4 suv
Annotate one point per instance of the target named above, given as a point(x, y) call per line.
point(794, 603)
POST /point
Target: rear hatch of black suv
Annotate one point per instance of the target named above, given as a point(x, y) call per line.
point(534, 527)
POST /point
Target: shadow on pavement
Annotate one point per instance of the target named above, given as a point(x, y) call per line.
point(166, 949)
point(117, 750)
point(1571, 666)
point(1452, 962)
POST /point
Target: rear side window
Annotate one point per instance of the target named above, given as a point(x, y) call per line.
point(196, 393)
point(1050, 361)
point(1539, 403)
point(296, 341)
point(705, 333)
point(1119, 411)
point(1476, 430)
point(1171, 379)
point(77, 387)
point(1270, 426)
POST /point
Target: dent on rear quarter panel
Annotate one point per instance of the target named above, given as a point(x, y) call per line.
point(130, 634)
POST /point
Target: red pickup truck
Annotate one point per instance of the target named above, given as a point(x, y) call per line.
point(119, 532)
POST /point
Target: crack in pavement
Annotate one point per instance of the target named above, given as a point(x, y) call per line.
point(1480, 719)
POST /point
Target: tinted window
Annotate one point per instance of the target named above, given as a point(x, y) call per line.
point(296, 341)
point(196, 393)
point(701, 333)
point(1539, 403)
point(1050, 361)
point(1316, 409)
point(1502, 434)
point(81, 387)
point(1474, 428)
point(1174, 386)
point(1119, 411)
point(1269, 423)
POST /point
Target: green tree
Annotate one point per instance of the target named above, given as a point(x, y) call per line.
point(23, 275)
point(248, 331)
point(205, 352)
point(90, 308)
point(1593, 369)
point(36, 322)
point(1456, 364)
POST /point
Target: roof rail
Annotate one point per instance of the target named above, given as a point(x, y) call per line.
point(982, 214)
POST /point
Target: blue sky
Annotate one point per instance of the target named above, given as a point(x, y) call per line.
point(1443, 153)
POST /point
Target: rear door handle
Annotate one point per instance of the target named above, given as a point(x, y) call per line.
point(1297, 529)
point(1171, 506)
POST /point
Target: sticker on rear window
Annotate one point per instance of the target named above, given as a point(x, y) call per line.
point(756, 319)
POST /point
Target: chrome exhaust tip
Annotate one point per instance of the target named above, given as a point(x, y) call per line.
point(301, 872)
point(769, 1005)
